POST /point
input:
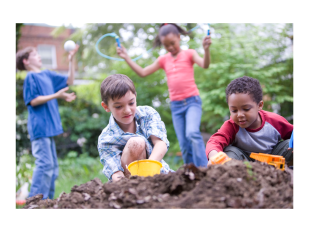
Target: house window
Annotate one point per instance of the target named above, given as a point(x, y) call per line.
point(48, 56)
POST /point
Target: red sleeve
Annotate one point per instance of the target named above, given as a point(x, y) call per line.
point(221, 139)
point(280, 124)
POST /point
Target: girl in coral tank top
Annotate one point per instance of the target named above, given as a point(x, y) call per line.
point(183, 92)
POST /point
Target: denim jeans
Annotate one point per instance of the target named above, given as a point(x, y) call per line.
point(186, 117)
point(46, 167)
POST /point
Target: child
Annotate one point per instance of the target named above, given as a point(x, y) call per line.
point(41, 91)
point(250, 129)
point(133, 133)
point(184, 95)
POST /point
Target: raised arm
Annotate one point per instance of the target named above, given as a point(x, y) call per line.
point(142, 72)
point(205, 61)
point(71, 65)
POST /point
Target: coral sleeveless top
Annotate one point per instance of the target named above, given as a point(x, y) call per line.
point(180, 74)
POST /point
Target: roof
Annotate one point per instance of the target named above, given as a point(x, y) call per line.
point(46, 25)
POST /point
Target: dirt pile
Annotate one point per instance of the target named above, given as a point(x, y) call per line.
point(235, 184)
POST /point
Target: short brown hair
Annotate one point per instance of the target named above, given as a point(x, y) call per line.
point(21, 55)
point(115, 87)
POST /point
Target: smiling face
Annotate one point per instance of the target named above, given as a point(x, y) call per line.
point(171, 43)
point(244, 111)
point(122, 109)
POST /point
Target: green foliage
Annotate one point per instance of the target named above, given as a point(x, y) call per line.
point(18, 33)
point(256, 50)
point(22, 138)
point(24, 170)
point(249, 168)
point(73, 170)
point(237, 50)
point(58, 31)
point(76, 170)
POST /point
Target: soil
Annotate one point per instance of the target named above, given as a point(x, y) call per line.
point(235, 184)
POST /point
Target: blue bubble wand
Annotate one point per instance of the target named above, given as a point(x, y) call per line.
point(202, 25)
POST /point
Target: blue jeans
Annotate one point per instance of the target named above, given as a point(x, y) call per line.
point(186, 116)
point(46, 169)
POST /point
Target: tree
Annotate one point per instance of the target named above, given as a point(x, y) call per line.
point(18, 33)
point(261, 51)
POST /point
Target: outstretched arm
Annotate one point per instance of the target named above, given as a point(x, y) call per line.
point(142, 72)
point(60, 94)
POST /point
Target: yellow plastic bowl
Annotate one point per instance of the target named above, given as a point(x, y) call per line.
point(144, 167)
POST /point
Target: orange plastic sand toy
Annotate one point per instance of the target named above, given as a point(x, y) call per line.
point(219, 158)
point(274, 160)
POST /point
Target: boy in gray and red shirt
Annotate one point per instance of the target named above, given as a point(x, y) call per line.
point(250, 129)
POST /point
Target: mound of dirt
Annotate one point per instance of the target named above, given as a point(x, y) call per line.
point(235, 184)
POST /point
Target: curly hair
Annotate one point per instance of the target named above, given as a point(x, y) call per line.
point(247, 85)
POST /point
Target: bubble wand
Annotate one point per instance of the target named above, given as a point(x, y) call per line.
point(202, 25)
point(117, 40)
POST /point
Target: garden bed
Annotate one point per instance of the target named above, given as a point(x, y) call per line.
point(235, 184)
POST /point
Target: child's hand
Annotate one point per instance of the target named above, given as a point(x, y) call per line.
point(206, 42)
point(66, 96)
point(211, 154)
point(122, 52)
point(72, 53)
point(117, 176)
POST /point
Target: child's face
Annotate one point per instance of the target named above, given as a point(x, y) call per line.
point(244, 111)
point(34, 60)
point(122, 109)
point(171, 43)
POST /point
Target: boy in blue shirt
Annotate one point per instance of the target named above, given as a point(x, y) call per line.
point(41, 90)
point(133, 133)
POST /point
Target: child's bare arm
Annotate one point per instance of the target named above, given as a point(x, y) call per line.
point(142, 72)
point(60, 94)
point(205, 61)
point(159, 150)
point(71, 65)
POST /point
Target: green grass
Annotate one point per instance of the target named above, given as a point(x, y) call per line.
point(77, 171)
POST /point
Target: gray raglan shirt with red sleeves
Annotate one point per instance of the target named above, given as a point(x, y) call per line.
point(261, 140)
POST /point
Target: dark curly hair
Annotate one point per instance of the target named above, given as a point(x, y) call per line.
point(247, 85)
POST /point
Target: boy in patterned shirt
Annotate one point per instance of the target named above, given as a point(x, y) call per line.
point(133, 133)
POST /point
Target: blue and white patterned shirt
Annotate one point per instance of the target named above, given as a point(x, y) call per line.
point(113, 139)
